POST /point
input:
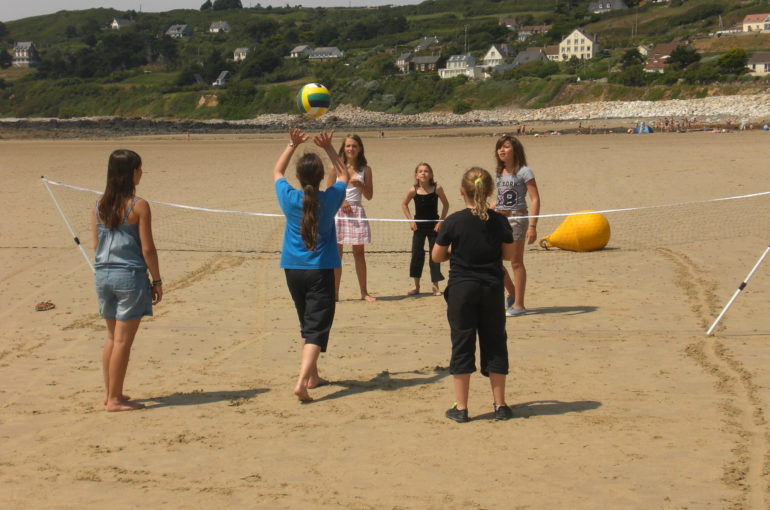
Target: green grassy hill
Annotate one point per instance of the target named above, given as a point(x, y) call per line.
point(88, 69)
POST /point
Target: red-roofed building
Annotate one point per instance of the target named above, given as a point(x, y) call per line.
point(756, 23)
point(657, 58)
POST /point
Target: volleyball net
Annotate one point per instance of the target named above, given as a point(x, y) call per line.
point(180, 227)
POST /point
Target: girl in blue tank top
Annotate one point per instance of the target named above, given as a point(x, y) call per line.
point(124, 252)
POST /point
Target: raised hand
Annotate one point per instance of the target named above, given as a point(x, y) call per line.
point(324, 139)
point(297, 136)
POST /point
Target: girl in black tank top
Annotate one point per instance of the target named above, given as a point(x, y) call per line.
point(426, 193)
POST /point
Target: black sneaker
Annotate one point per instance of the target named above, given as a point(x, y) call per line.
point(503, 412)
point(458, 415)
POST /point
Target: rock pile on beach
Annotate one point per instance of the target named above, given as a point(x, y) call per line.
point(714, 110)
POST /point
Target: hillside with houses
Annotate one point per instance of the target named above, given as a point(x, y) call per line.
point(226, 61)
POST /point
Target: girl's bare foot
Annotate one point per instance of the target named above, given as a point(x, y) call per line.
point(123, 406)
point(368, 298)
point(413, 292)
point(436, 290)
point(123, 398)
point(302, 394)
point(311, 384)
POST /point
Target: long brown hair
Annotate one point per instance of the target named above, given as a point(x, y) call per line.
point(360, 161)
point(120, 186)
point(310, 171)
point(478, 186)
point(519, 158)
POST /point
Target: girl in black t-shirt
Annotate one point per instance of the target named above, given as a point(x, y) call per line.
point(475, 240)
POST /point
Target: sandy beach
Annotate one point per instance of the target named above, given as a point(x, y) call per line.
point(621, 401)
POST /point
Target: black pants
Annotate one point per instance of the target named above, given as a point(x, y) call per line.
point(313, 293)
point(477, 307)
point(418, 255)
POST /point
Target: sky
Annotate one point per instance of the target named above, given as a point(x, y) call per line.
point(17, 9)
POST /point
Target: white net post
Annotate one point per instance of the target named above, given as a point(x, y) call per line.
point(738, 291)
point(66, 221)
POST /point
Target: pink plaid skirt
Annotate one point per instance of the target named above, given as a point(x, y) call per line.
point(354, 230)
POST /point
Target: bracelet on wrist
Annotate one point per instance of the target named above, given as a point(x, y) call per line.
point(157, 282)
point(533, 226)
point(291, 144)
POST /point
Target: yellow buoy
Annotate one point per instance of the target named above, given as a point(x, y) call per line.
point(580, 232)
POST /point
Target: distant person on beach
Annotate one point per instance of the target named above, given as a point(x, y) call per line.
point(121, 227)
point(351, 223)
point(514, 181)
point(426, 194)
point(475, 240)
point(309, 256)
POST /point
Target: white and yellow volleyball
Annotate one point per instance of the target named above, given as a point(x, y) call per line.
point(585, 231)
point(313, 100)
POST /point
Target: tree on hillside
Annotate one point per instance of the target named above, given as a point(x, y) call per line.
point(630, 58)
point(733, 61)
point(3, 30)
point(5, 58)
point(683, 56)
point(221, 5)
point(206, 5)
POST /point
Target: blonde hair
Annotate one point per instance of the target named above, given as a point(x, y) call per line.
point(478, 187)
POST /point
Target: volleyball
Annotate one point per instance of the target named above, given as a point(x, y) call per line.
point(313, 99)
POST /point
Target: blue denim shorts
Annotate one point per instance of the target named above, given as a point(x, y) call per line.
point(124, 294)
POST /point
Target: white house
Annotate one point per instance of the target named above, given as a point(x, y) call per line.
point(240, 54)
point(759, 63)
point(756, 23)
point(179, 31)
point(602, 6)
point(461, 65)
point(25, 54)
point(222, 79)
point(578, 44)
point(552, 52)
point(219, 26)
point(403, 61)
point(324, 53)
point(303, 50)
point(496, 55)
point(426, 43)
point(118, 23)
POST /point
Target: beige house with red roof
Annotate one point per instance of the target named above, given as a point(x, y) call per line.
point(657, 57)
point(756, 23)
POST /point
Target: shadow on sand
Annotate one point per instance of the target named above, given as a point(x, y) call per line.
point(562, 310)
point(545, 408)
point(385, 381)
point(195, 398)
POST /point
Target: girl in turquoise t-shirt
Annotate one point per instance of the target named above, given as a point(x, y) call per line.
point(309, 254)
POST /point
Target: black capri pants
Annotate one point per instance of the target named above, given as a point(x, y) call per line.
point(477, 307)
point(418, 254)
point(313, 293)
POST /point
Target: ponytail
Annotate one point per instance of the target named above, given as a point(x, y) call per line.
point(478, 187)
point(310, 171)
point(310, 207)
